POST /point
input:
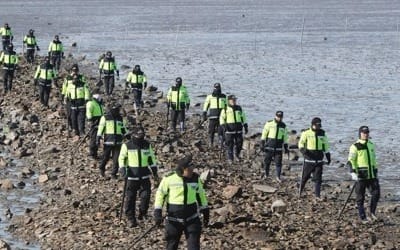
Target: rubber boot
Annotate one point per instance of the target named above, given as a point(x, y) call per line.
point(182, 126)
point(317, 189)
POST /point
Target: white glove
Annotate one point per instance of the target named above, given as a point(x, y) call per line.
point(354, 176)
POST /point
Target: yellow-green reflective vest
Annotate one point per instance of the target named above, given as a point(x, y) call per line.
point(136, 79)
point(9, 60)
point(363, 159)
point(113, 129)
point(45, 72)
point(172, 190)
point(56, 47)
point(94, 110)
point(108, 65)
point(275, 133)
point(30, 41)
point(178, 97)
point(214, 104)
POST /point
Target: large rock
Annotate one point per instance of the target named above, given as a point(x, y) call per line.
point(278, 206)
point(6, 184)
point(3, 162)
point(43, 178)
point(4, 245)
point(231, 191)
point(264, 188)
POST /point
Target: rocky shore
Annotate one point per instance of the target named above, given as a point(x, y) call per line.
point(80, 210)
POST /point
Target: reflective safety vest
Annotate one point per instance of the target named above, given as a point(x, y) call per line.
point(214, 104)
point(77, 93)
point(94, 110)
point(233, 118)
point(45, 73)
point(30, 41)
point(363, 159)
point(5, 33)
point(315, 142)
point(137, 156)
point(108, 65)
point(178, 97)
point(9, 60)
point(276, 134)
point(182, 195)
point(113, 129)
point(56, 47)
point(136, 79)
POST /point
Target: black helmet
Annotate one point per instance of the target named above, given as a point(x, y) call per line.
point(232, 97)
point(6, 25)
point(178, 80)
point(137, 67)
point(31, 31)
point(74, 67)
point(363, 129)
point(140, 134)
point(316, 121)
point(279, 113)
point(56, 37)
point(217, 85)
point(108, 54)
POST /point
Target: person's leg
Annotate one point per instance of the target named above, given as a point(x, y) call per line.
point(106, 156)
point(81, 121)
point(41, 94)
point(174, 232)
point(10, 79)
point(46, 95)
point(74, 120)
point(317, 178)
point(360, 196)
point(278, 164)
point(212, 128)
point(192, 233)
point(267, 161)
point(174, 118)
point(229, 144)
point(115, 155)
point(375, 191)
point(308, 168)
point(145, 193)
point(238, 145)
point(93, 148)
point(130, 205)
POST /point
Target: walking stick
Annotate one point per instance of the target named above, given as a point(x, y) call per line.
point(166, 123)
point(301, 178)
point(347, 200)
point(288, 161)
point(143, 235)
point(123, 196)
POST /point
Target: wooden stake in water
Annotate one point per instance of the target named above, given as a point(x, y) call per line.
point(302, 33)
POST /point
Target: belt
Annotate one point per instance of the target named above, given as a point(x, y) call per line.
point(233, 132)
point(314, 161)
point(183, 220)
point(138, 178)
point(275, 149)
point(80, 107)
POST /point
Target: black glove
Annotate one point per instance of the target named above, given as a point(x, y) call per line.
point(144, 85)
point(206, 216)
point(122, 171)
point(187, 106)
point(286, 147)
point(37, 48)
point(328, 157)
point(204, 116)
point(98, 140)
point(246, 129)
point(158, 217)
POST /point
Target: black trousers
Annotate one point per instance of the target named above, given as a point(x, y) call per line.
point(314, 169)
point(277, 158)
point(144, 189)
point(137, 97)
point(109, 151)
point(93, 148)
point(8, 76)
point(56, 60)
point(30, 55)
point(44, 94)
point(374, 188)
point(213, 127)
point(5, 43)
point(78, 120)
point(177, 115)
point(109, 84)
point(234, 142)
point(192, 230)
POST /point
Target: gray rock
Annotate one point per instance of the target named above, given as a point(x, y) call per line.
point(264, 188)
point(278, 206)
point(43, 178)
point(205, 176)
point(6, 184)
point(231, 191)
point(3, 162)
point(167, 149)
point(4, 245)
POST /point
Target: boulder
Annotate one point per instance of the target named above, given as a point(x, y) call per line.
point(6, 184)
point(4, 245)
point(231, 191)
point(278, 206)
point(264, 188)
point(43, 178)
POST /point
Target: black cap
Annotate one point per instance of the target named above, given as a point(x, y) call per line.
point(316, 121)
point(178, 80)
point(232, 97)
point(185, 162)
point(279, 113)
point(363, 129)
point(217, 85)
